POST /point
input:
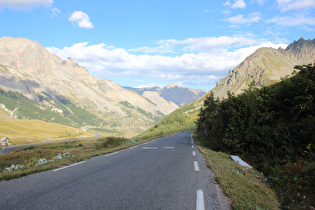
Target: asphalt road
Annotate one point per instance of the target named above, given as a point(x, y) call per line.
point(166, 173)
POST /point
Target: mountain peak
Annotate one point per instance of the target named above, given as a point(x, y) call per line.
point(69, 61)
point(302, 49)
point(266, 66)
point(171, 85)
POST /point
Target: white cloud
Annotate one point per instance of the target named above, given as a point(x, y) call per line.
point(236, 4)
point(55, 11)
point(212, 44)
point(293, 20)
point(203, 64)
point(260, 2)
point(226, 12)
point(227, 3)
point(24, 4)
point(240, 19)
point(81, 18)
point(239, 4)
point(287, 5)
point(162, 48)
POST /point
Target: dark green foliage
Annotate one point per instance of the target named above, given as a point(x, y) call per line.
point(269, 127)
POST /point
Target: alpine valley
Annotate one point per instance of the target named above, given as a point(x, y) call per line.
point(264, 67)
point(35, 84)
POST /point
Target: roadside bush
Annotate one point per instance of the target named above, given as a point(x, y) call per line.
point(272, 128)
point(110, 142)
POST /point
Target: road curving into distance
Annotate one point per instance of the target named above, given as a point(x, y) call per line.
point(166, 173)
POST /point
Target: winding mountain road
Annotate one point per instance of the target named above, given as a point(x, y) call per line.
point(166, 173)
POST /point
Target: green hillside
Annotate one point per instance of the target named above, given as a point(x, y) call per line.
point(182, 119)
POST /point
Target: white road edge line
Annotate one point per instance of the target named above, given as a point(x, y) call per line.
point(58, 169)
point(149, 147)
point(110, 154)
point(200, 204)
point(196, 166)
point(192, 146)
point(132, 147)
point(194, 153)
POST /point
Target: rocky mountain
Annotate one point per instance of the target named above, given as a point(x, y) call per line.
point(266, 66)
point(179, 95)
point(37, 84)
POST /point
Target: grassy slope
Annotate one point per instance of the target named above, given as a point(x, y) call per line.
point(182, 119)
point(245, 187)
point(34, 131)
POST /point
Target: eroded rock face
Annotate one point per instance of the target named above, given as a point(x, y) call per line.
point(28, 67)
point(266, 66)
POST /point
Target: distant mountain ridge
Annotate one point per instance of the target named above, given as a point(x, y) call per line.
point(64, 92)
point(172, 92)
point(264, 67)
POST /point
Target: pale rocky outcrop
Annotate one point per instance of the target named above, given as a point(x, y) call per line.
point(28, 67)
point(265, 67)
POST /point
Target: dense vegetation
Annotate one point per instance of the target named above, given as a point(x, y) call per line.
point(273, 128)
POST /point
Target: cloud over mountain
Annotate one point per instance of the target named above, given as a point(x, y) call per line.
point(201, 59)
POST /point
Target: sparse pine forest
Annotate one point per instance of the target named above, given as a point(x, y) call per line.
point(272, 128)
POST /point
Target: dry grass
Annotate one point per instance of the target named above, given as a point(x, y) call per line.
point(34, 131)
point(82, 150)
point(245, 187)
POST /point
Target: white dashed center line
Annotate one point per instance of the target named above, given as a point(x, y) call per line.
point(200, 204)
point(196, 166)
point(169, 147)
point(194, 153)
point(192, 146)
point(149, 147)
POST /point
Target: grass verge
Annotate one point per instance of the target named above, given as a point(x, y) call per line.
point(35, 131)
point(81, 150)
point(245, 187)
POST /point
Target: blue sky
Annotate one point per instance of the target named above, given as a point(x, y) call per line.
point(140, 43)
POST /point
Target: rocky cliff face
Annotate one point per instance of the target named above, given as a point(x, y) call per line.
point(266, 66)
point(27, 67)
